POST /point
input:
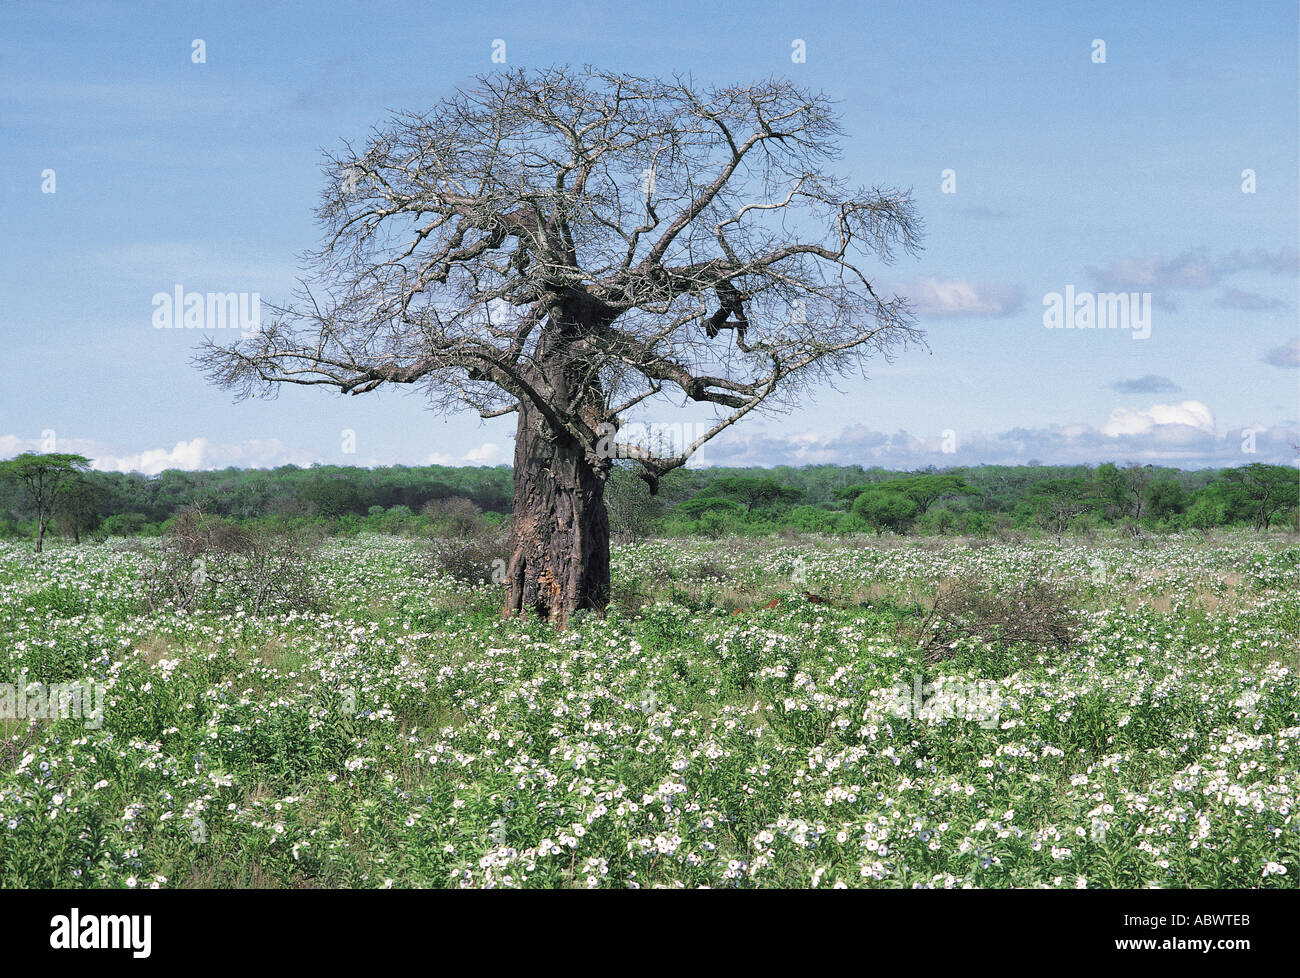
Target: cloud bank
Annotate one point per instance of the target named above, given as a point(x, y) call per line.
point(1182, 435)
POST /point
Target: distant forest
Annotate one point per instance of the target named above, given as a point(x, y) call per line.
point(708, 501)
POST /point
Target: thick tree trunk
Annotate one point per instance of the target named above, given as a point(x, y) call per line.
point(559, 533)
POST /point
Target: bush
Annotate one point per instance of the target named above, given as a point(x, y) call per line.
point(455, 516)
point(1034, 611)
point(938, 521)
point(632, 509)
point(712, 524)
point(477, 556)
point(882, 509)
point(205, 559)
point(123, 524)
point(815, 519)
point(1005, 530)
point(975, 523)
point(470, 561)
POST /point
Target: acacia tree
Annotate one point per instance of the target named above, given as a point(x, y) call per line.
point(923, 490)
point(1055, 503)
point(1262, 491)
point(42, 478)
point(755, 491)
point(884, 510)
point(572, 246)
point(1124, 491)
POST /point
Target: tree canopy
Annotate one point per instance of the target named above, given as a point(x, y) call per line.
point(573, 246)
point(42, 477)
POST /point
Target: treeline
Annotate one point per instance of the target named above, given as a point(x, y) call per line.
point(339, 499)
point(979, 500)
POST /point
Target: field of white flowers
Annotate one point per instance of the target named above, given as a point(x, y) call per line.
point(403, 735)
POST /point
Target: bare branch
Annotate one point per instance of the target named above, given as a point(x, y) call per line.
point(574, 244)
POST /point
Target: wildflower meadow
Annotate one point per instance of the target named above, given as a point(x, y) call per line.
point(749, 713)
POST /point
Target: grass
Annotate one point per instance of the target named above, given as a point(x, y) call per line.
point(717, 727)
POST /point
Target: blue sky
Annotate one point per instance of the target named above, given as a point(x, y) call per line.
point(1122, 175)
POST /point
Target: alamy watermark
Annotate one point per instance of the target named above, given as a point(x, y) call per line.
point(179, 309)
point(663, 439)
point(58, 701)
point(1098, 310)
point(948, 699)
point(100, 931)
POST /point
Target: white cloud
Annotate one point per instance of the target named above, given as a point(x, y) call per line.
point(939, 297)
point(1182, 435)
point(187, 455)
point(489, 453)
point(11, 445)
point(1127, 421)
point(197, 453)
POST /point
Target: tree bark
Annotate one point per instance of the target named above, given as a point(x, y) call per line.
point(559, 536)
point(559, 533)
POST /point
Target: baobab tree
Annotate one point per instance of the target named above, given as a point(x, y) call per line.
point(574, 245)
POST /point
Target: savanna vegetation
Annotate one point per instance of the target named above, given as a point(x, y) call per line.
point(984, 501)
point(808, 712)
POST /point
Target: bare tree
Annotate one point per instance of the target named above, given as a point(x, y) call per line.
point(577, 245)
